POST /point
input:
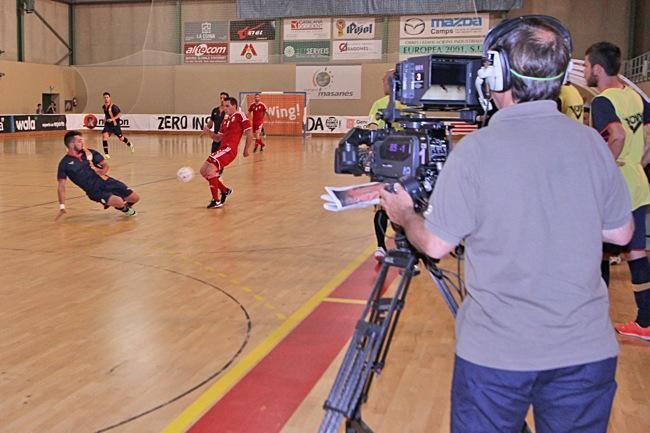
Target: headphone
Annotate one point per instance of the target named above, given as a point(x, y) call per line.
point(496, 72)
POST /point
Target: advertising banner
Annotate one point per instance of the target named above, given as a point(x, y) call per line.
point(353, 28)
point(306, 29)
point(205, 31)
point(207, 52)
point(454, 46)
point(92, 121)
point(257, 30)
point(313, 51)
point(6, 124)
point(29, 123)
point(329, 82)
point(286, 113)
point(55, 122)
point(334, 124)
point(353, 50)
point(249, 52)
point(452, 25)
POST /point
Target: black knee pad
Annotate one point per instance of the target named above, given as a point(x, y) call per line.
point(639, 270)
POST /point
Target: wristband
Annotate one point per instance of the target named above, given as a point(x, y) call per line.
point(62, 206)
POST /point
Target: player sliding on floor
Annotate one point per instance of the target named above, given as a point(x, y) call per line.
point(87, 169)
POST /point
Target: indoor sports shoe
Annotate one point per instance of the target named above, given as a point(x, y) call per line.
point(107, 156)
point(129, 211)
point(214, 204)
point(633, 330)
point(132, 148)
point(225, 195)
point(380, 254)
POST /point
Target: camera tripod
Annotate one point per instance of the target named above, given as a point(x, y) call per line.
point(368, 349)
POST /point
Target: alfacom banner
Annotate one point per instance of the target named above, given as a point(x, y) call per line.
point(205, 31)
point(252, 30)
point(306, 51)
point(456, 25)
point(329, 82)
point(353, 50)
point(297, 29)
point(353, 28)
point(249, 52)
point(206, 52)
point(454, 46)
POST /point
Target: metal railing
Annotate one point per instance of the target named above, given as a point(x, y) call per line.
point(638, 68)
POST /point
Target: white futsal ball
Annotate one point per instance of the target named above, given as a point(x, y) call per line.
point(185, 174)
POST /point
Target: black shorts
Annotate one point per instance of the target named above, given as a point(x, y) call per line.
point(113, 129)
point(108, 188)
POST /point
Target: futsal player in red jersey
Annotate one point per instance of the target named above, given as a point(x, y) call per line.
point(233, 127)
point(258, 111)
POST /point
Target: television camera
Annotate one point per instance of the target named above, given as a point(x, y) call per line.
point(415, 143)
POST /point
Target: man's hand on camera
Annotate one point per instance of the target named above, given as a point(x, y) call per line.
point(398, 204)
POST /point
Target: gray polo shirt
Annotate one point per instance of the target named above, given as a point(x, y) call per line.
point(530, 195)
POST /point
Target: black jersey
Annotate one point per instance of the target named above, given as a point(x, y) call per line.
point(217, 118)
point(79, 171)
point(115, 110)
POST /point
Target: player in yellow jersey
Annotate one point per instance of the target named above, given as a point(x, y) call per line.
point(619, 114)
point(571, 103)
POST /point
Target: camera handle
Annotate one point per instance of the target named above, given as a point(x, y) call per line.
point(368, 349)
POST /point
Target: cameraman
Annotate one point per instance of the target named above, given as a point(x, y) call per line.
point(526, 193)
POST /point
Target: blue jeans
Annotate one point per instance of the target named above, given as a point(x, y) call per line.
point(575, 399)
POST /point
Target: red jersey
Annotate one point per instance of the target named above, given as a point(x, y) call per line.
point(258, 109)
point(233, 128)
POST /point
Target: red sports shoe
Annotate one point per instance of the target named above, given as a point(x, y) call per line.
point(633, 330)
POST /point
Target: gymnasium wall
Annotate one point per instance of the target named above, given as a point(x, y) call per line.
point(23, 84)
point(40, 45)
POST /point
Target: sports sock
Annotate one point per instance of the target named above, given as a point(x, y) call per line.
point(642, 299)
point(105, 145)
point(214, 187)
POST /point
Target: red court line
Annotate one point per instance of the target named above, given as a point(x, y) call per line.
point(264, 400)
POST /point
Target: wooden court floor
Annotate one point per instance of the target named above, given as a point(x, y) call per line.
point(115, 324)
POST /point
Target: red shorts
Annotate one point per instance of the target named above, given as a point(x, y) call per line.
point(222, 157)
point(257, 126)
